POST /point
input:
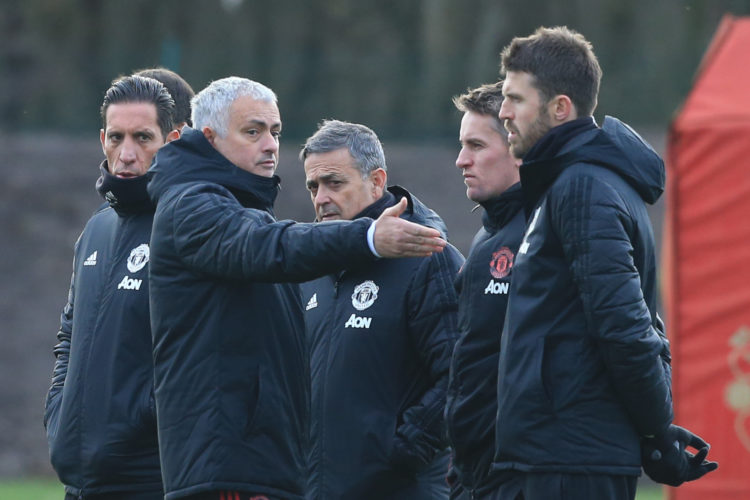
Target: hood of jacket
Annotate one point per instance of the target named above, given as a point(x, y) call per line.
point(615, 146)
point(191, 158)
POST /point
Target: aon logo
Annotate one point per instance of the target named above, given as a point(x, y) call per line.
point(496, 288)
point(355, 321)
point(128, 283)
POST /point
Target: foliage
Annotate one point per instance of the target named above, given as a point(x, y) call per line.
point(388, 63)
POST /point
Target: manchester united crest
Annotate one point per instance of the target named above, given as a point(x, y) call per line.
point(501, 263)
point(138, 258)
point(364, 295)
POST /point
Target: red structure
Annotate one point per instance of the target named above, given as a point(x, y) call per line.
point(707, 262)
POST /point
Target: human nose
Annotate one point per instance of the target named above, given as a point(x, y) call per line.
point(270, 143)
point(321, 196)
point(463, 160)
point(505, 111)
point(128, 151)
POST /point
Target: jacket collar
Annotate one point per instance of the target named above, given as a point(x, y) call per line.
point(125, 196)
point(500, 210)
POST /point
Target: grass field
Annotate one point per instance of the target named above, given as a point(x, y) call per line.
point(50, 489)
point(30, 488)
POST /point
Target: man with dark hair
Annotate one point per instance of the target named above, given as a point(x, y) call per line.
point(231, 371)
point(99, 413)
point(491, 176)
point(178, 88)
point(380, 338)
point(584, 377)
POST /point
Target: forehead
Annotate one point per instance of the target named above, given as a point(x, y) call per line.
point(336, 162)
point(245, 109)
point(518, 82)
point(477, 124)
point(132, 115)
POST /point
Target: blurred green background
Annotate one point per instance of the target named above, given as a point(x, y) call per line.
point(392, 64)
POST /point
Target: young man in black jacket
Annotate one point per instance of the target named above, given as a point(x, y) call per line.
point(380, 336)
point(491, 176)
point(231, 368)
point(99, 413)
point(582, 382)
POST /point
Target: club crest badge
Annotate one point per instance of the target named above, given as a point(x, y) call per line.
point(138, 258)
point(501, 263)
point(364, 295)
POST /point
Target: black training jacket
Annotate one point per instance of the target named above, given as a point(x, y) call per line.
point(380, 341)
point(231, 366)
point(99, 415)
point(483, 286)
point(581, 377)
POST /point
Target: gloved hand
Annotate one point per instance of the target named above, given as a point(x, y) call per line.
point(666, 461)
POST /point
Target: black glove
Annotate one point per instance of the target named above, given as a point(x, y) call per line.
point(666, 461)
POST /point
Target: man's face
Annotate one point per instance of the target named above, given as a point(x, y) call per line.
point(484, 159)
point(252, 141)
point(524, 114)
point(336, 186)
point(131, 138)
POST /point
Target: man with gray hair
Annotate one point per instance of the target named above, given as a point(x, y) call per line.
point(380, 338)
point(230, 364)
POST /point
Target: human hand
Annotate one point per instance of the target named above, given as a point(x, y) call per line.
point(666, 460)
point(396, 237)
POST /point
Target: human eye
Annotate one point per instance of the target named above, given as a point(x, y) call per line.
point(114, 136)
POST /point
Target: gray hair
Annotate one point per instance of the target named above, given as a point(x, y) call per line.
point(211, 105)
point(363, 144)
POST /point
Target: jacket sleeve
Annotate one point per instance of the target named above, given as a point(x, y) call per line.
point(60, 370)
point(597, 232)
point(433, 327)
point(214, 234)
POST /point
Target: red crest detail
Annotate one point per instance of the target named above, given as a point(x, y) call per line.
point(501, 263)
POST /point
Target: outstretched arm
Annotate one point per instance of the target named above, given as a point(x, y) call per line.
point(396, 237)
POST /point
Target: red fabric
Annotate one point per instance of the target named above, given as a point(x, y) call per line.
point(707, 262)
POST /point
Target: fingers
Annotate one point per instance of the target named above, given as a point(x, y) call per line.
point(696, 442)
point(699, 457)
point(701, 470)
point(397, 209)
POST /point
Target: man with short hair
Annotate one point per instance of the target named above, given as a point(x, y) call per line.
point(380, 337)
point(178, 88)
point(491, 176)
point(583, 379)
point(231, 368)
point(99, 412)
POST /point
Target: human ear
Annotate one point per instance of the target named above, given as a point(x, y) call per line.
point(562, 109)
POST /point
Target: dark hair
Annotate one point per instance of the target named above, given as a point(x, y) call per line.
point(141, 89)
point(178, 88)
point(561, 61)
point(484, 100)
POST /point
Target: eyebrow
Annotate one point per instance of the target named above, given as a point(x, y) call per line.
point(323, 179)
point(264, 124)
